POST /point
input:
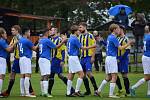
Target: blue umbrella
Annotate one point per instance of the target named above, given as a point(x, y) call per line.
point(116, 9)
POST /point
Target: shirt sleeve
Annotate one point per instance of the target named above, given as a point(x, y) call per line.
point(126, 41)
point(30, 44)
point(78, 44)
point(51, 44)
point(4, 45)
point(63, 55)
point(116, 42)
point(92, 39)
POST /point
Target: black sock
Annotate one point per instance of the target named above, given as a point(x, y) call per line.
point(51, 83)
point(86, 84)
point(93, 83)
point(64, 79)
point(30, 87)
point(118, 83)
point(11, 83)
point(126, 84)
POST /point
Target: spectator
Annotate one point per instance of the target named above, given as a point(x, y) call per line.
point(98, 54)
point(138, 27)
point(122, 17)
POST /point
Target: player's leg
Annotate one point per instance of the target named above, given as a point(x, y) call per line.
point(55, 63)
point(139, 83)
point(2, 73)
point(25, 68)
point(45, 85)
point(69, 83)
point(64, 79)
point(85, 79)
point(41, 85)
point(104, 82)
point(145, 62)
point(126, 83)
point(108, 76)
point(79, 83)
point(51, 82)
point(118, 82)
point(113, 70)
point(27, 83)
point(148, 89)
point(15, 69)
point(45, 69)
point(1, 83)
point(22, 86)
point(88, 65)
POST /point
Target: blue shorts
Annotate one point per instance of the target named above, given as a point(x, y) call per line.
point(86, 64)
point(15, 66)
point(123, 66)
point(55, 66)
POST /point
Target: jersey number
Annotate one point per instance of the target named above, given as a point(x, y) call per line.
point(40, 48)
point(144, 46)
point(20, 48)
point(107, 45)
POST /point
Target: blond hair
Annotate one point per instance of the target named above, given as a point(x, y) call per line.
point(112, 27)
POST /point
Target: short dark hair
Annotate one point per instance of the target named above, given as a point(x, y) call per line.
point(24, 30)
point(83, 24)
point(17, 27)
point(74, 28)
point(45, 31)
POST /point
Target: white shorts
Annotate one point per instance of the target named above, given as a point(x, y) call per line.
point(45, 66)
point(111, 65)
point(74, 64)
point(2, 66)
point(25, 65)
point(146, 64)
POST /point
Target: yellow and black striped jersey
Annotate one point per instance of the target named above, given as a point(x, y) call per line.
point(57, 52)
point(16, 49)
point(87, 40)
point(122, 41)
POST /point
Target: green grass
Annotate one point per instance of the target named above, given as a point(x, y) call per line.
point(59, 89)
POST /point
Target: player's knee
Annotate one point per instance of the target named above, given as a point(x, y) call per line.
point(52, 75)
point(147, 78)
point(81, 74)
point(89, 74)
point(124, 77)
point(45, 77)
point(108, 78)
point(84, 77)
point(2, 77)
point(60, 76)
point(12, 75)
point(27, 75)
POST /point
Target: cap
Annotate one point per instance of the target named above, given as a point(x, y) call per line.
point(40, 35)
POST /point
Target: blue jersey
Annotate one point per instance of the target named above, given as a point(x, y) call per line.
point(112, 45)
point(73, 46)
point(45, 46)
point(3, 46)
point(25, 47)
point(147, 45)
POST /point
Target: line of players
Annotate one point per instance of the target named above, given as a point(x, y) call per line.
point(84, 41)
